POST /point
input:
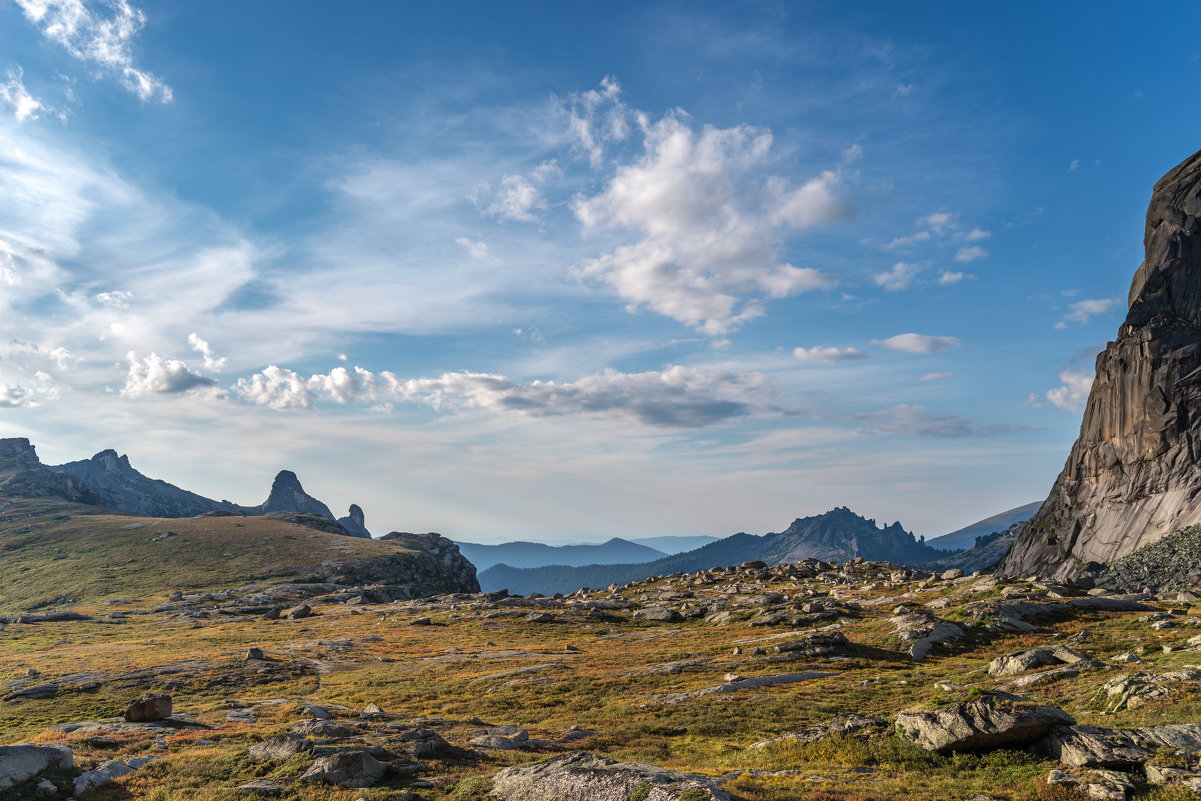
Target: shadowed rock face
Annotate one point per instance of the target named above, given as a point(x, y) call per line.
point(288, 496)
point(124, 489)
point(22, 475)
point(355, 522)
point(1134, 474)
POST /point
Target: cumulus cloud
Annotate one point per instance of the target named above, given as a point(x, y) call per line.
point(976, 234)
point(938, 221)
point(1073, 392)
point(918, 343)
point(971, 253)
point(155, 375)
point(829, 355)
point(22, 105)
point(101, 33)
point(897, 278)
point(211, 360)
point(707, 224)
point(676, 397)
point(63, 358)
point(905, 241)
point(1081, 311)
point(14, 396)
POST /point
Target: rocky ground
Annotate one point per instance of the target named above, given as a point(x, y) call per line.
point(863, 681)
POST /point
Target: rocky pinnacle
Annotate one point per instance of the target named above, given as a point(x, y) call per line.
point(1134, 474)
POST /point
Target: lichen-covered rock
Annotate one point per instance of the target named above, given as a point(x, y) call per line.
point(1089, 746)
point(19, 763)
point(843, 725)
point(149, 708)
point(347, 769)
point(580, 776)
point(993, 721)
point(1033, 658)
point(1133, 476)
point(279, 748)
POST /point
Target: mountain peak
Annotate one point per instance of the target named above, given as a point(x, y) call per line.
point(287, 495)
point(286, 479)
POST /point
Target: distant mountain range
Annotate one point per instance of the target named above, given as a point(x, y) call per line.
point(110, 481)
point(966, 536)
point(837, 535)
point(536, 554)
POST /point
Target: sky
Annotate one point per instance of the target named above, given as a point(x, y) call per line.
point(563, 272)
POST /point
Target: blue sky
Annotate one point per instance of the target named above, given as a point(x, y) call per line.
point(569, 271)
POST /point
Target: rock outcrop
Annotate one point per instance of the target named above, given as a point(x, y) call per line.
point(288, 496)
point(355, 522)
point(993, 721)
point(124, 489)
point(581, 776)
point(1134, 475)
point(22, 475)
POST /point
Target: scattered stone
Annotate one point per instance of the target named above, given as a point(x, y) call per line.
point(993, 721)
point(299, 612)
point(581, 776)
point(149, 708)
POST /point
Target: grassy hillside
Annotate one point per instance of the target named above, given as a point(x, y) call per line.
point(54, 552)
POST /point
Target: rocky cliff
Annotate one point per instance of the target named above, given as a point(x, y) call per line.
point(840, 535)
point(22, 475)
point(123, 489)
point(355, 522)
point(288, 496)
point(1134, 474)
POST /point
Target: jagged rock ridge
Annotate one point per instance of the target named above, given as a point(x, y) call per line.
point(123, 489)
point(1134, 474)
point(22, 475)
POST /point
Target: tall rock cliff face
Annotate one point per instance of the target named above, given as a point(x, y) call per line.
point(124, 489)
point(288, 496)
point(1134, 474)
point(355, 522)
point(22, 475)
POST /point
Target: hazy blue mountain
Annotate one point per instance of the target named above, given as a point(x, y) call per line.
point(537, 554)
point(966, 536)
point(675, 544)
point(837, 535)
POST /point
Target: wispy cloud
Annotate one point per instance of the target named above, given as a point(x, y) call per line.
point(22, 105)
point(972, 253)
point(918, 421)
point(898, 277)
point(99, 33)
point(918, 343)
point(829, 355)
point(1082, 311)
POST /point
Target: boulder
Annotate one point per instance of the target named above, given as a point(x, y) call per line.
point(107, 771)
point(659, 614)
point(580, 776)
point(149, 708)
point(326, 729)
point(1091, 747)
point(347, 769)
point(279, 748)
point(993, 721)
point(299, 612)
point(843, 725)
point(1031, 658)
point(19, 763)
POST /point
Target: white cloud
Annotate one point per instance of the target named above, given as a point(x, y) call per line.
point(13, 396)
point(707, 224)
point(211, 360)
point(1081, 311)
point(935, 376)
point(1073, 392)
point(971, 253)
point(516, 199)
point(676, 397)
point(99, 33)
point(63, 358)
point(905, 241)
point(155, 375)
point(475, 248)
point(938, 221)
point(897, 278)
point(597, 118)
point(829, 355)
point(118, 298)
point(976, 234)
point(947, 278)
point(918, 343)
point(22, 105)
point(1074, 165)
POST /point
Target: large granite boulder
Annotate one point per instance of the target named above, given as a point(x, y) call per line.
point(992, 721)
point(1133, 476)
point(580, 776)
point(19, 763)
